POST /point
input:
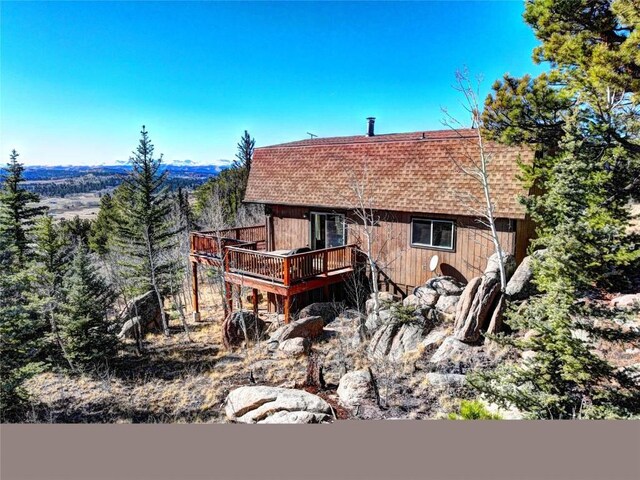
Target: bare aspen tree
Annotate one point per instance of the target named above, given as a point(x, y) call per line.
point(369, 228)
point(117, 280)
point(213, 220)
point(475, 163)
point(249, 215)
point(177, 277)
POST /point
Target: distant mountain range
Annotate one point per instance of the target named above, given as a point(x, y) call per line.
point(181, 169)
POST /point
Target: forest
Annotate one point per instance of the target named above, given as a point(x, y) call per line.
point(67, 282)
point(67, 287)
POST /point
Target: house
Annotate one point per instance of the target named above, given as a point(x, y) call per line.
point(411, 185)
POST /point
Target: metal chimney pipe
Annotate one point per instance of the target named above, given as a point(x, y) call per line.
point(371, 121)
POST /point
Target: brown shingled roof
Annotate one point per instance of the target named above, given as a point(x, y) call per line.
point(412, 172)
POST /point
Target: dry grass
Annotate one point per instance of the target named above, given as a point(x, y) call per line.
point(84, 205)
point(177, 380)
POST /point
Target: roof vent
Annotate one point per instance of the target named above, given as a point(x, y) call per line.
point(371, 122)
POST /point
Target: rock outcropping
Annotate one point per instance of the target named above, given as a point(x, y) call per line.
point(327, 310)
point(309, 327)
point(144, 312)
point(481, 304)
point(262, 404)
point(242, 326)
point(356, 387)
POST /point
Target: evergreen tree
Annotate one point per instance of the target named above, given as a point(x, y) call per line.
point(144, 231)
point(242, 165)
point(230, 185)
point(583, 119)
point(102, 229)
point(19, 328)
point(77, 230)
point(84, 328)
point(184, 208)
point(50, 263)
point(17, 212)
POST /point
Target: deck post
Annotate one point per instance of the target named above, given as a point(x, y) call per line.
point(286, 265)
point(325, 272)
point(286, 274)
point(255, 301)
point(195, 301)
point(287, 308)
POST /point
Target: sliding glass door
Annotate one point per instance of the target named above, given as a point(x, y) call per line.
point(327, 230)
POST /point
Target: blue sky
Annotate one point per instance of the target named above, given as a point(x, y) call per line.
point(79, 79)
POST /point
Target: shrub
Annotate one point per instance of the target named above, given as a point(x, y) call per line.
point(473, 410)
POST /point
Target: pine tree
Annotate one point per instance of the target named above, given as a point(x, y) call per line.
point(50, 264)
point(230, 185)
point(84, 328)
point(102, 229)
point(242, 164)
point(582, 118)
point(21, 328)
point(77, 230)
point(242, 167)
point(145, 234)
point(184, 208)
point(20, 325)
point(17, 212)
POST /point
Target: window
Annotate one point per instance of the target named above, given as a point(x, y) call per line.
point(432, 233)
point(327, 230)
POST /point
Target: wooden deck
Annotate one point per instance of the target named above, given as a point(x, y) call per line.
point(240, 252)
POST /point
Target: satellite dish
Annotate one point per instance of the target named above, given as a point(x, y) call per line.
point(433, 263)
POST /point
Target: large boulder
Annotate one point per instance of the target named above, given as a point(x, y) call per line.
point(497, 317)
point(451, 349)
point(434, 339)
point(465, 301)
point(327, 310)
point(295, 347)
point(384, 299)
point(624, 302)
point(142, 311)
point(348, 327)
point(444, 285)
point(374, 322)
point(396, 338)
point(447, 304)
point(439, 293)
point(262, 404)
point(356, 387)
point(454, 356)
point(493, 265)
point(470, 323)
point(426, 296)
point(520, 285)
point(242, 326)
point(309, 327)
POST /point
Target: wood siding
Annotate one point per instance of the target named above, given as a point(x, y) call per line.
point(406, 266)
point(290, 228)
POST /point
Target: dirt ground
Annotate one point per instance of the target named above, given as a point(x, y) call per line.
point(180, 379)
point(186, 380)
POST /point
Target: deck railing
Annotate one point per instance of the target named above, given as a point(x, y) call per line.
point(209, 242)
point(255, 233)
point(289, 269)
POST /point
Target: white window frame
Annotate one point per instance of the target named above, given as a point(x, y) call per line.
point(436, 247)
